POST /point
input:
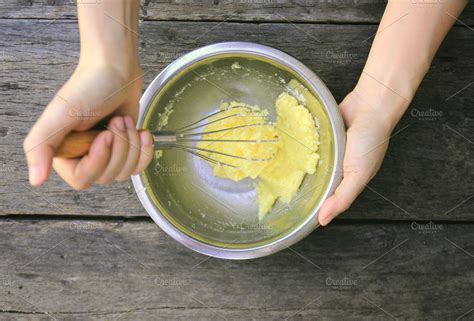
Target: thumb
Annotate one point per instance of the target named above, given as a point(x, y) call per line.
point(350, 187)
point(42, 140)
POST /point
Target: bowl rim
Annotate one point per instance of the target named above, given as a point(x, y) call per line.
point(338, 131)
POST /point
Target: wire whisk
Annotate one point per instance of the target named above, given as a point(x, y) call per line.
point(187, 138)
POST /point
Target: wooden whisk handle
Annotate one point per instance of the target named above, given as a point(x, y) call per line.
point(76, 144)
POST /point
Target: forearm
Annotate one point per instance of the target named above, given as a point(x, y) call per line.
point(109, 32)
point(407, 39)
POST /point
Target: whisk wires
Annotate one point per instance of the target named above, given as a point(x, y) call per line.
point(188, 134)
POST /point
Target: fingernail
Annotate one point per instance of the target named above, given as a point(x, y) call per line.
point(331, 217)
point(108, 138)
point(119, 123)
point(35, 175)
point(146, 139)
point(326, 221)
point(129, 122)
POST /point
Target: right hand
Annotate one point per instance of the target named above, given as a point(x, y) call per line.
point(368, 133)
point(92, 93)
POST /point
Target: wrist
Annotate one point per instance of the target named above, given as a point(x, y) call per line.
point(397, 76)
point(109, 35)
point(119, 54)
point(389, 90)
point(380, 101)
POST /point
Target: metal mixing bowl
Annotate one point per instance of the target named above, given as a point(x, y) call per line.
point(216, 216)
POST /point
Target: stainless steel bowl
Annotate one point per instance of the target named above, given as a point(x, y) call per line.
point(215, 216)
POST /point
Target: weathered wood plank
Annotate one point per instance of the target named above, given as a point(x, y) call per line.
point(105, 270)
point(279, 10)
point(339, 11)
point(428, 170)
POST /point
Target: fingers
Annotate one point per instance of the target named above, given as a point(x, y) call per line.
point(39, 157)
point(133, 150)
point(40, 143)
point(350, 187)
point(115, 154)
point(146, 152)
point(119, 150)
point(81, 173)
point(358, 168)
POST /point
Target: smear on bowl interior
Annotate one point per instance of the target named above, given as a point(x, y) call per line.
point(287, 161)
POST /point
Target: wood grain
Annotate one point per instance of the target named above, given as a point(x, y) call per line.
point(98, 270)
point(76, 144)
point(337, 11)
point(427, 173)
point(82, 262)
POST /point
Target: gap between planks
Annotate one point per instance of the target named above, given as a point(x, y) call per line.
point(132, 219)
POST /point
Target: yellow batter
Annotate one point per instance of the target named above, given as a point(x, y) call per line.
point(251, 158)
point(288, 160)
point(296, 155)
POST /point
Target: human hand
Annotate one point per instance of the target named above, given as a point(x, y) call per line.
point(388, 83)
point(94, 91)
point(368, 132)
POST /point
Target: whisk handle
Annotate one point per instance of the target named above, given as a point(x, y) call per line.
point(164, 139)
point(76, 144)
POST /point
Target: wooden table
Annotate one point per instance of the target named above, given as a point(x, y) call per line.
point(403, 251)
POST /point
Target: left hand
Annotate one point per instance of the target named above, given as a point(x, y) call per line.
point(368, 132)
